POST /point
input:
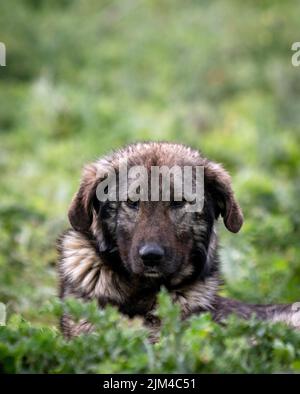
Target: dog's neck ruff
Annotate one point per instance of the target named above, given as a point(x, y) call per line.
point(88, 276)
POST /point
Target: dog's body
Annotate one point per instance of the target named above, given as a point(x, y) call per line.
point(122, 252)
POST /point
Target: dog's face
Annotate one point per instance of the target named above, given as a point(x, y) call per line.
point(159, 240)
point(154, 238)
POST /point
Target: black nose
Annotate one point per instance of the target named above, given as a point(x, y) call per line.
point(151, 253)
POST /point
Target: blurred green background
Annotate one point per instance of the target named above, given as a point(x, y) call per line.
point(84, 77)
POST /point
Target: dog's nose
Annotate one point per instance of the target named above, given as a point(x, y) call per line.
point(151, 253)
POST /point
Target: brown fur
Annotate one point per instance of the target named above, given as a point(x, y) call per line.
point(99, 256)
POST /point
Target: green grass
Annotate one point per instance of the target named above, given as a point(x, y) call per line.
point(121, 346)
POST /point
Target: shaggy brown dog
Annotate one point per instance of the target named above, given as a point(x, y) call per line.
point(122, 252)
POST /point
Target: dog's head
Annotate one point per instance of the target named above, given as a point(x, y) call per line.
point(156, 239)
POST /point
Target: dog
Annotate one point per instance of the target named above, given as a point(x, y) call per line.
point(122, 252)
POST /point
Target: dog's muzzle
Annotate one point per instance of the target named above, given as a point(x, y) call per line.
point(152, 254)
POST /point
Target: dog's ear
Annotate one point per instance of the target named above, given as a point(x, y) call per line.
point(85, 206)
point(218, 183)
point(80, 211)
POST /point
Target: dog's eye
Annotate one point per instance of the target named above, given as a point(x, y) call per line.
point(133, 204)
point(177, 204)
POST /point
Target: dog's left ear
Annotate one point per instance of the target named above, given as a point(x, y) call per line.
point(218, 183)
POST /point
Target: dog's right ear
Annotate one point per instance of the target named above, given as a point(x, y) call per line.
point(80, 212)
point(85, 206)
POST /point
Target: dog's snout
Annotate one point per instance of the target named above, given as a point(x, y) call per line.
point(151, 253)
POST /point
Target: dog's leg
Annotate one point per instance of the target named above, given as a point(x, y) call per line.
point(71, 329)
point(287, 313)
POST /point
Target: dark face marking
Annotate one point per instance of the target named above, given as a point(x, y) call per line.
point(161, 241)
